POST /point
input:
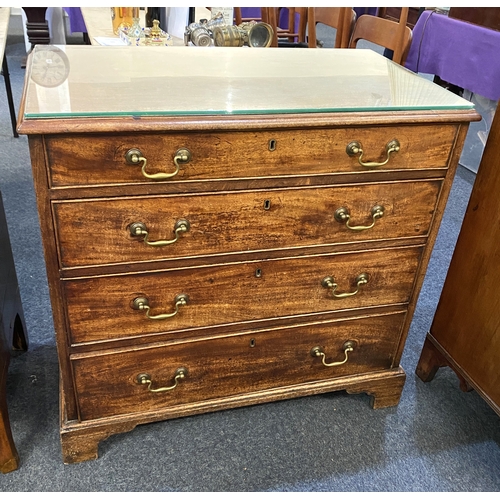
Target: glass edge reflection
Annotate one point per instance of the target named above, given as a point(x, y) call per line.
point(33, 116)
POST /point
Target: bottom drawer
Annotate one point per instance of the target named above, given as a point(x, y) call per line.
point(107, 383)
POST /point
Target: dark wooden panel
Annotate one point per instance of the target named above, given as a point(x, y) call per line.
point(466, 324)
point(488, 17)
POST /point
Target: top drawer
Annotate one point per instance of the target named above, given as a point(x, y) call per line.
point(86, 160)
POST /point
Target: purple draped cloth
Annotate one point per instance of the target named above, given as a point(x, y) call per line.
point(76, 22)
point(460, 53)
point(372, 11)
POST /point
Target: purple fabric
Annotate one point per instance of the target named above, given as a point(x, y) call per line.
point(250, 12)
point(254, 13)
point(76, 22)
point(461, 53)
point(372, 11)
point(283, 20)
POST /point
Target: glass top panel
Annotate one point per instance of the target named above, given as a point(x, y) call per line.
point(86, 81)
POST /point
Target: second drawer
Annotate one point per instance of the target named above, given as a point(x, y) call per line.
point(147, 228)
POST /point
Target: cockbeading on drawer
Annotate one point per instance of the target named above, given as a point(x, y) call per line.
point(108, 307)
point(83, 160)
point(170, 376)
point(162, 228)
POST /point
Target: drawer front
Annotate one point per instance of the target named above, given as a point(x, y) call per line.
point(81, 160)
point(109, 307)
point(107, 384)
point(239, 222)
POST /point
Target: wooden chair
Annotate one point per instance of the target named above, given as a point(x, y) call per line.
point(340, 18)
point(394, 13)
point(291, 35)
point(271, 15)
point(395, 36)
point(13, 335)
point(289, 27)
point(245, 14)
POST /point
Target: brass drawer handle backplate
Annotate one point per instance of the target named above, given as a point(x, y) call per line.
point(145, 378)
point(329, 282)
point(354, 148)
point(142, 304)
point(347, 348)
point(140, 229)
point(135, 157)
point(342, 215)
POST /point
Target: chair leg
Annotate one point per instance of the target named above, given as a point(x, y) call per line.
point(302, 24)
point(9, 458)
point(311, 28)
point(345, 23)
point(398, 52)
point(269, 16)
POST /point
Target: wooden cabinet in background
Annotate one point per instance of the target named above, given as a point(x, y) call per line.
point(465, 332)
point(488, 17)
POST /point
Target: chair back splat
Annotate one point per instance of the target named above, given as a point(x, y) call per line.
point(340, 18)
point(288, 23)
point(395, 36)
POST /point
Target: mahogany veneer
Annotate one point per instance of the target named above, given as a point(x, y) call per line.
point(465, 331)
point(243, 306)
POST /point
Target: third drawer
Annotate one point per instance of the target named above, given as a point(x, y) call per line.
point(172, 301)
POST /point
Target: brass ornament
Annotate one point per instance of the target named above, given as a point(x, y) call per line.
point(251, 33)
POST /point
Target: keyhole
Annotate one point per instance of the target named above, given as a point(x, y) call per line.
point(267, 204)
point(272, 145)
point(252, 342)
point(258, 273)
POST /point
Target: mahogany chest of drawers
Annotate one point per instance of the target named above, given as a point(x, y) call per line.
point(235, 247)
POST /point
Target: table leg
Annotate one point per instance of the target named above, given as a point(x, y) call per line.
point(37, 28)
point(8, 89)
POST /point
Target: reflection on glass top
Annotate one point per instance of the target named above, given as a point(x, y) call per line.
point(81, 81)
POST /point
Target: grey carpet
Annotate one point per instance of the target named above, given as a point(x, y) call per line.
point(437, 439)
